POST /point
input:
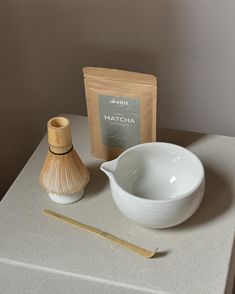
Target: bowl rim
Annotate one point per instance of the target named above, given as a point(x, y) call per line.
point(181, 197)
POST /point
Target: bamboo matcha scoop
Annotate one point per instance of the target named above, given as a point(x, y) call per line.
point(141, 251)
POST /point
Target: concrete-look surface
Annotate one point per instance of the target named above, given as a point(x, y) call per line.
point(41, 255)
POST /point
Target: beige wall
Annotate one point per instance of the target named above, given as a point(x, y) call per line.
point(188, 44)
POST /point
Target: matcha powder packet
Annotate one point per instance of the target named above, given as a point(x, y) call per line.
point(121, 107)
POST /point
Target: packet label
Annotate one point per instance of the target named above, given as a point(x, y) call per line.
point(119, 121)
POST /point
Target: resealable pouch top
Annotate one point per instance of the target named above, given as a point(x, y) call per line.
point(121, 107)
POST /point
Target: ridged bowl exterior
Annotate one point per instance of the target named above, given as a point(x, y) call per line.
point(157, 214)
point(148, 170)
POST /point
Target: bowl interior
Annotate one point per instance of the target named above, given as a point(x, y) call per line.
point(159, 171)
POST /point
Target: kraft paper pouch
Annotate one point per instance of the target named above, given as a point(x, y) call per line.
point(121, 108)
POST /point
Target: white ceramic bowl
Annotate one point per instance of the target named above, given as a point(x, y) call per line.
point(157, 185)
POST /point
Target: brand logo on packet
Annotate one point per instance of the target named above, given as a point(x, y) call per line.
point(120, 102)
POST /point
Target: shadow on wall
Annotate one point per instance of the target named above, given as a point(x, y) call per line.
point(27, 121)
point(46, 44)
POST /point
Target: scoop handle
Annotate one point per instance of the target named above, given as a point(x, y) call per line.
point(141, 251)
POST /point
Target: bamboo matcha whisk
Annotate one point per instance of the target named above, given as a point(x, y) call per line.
point(63, 175)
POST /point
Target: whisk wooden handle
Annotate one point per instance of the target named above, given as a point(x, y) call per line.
point(141, 251)
point(59, 134)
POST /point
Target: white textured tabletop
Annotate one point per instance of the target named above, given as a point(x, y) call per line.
point(41, 255)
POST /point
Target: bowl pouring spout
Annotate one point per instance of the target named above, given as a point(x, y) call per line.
point(109, 167)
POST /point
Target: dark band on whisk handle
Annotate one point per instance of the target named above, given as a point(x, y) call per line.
point(61, 153)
